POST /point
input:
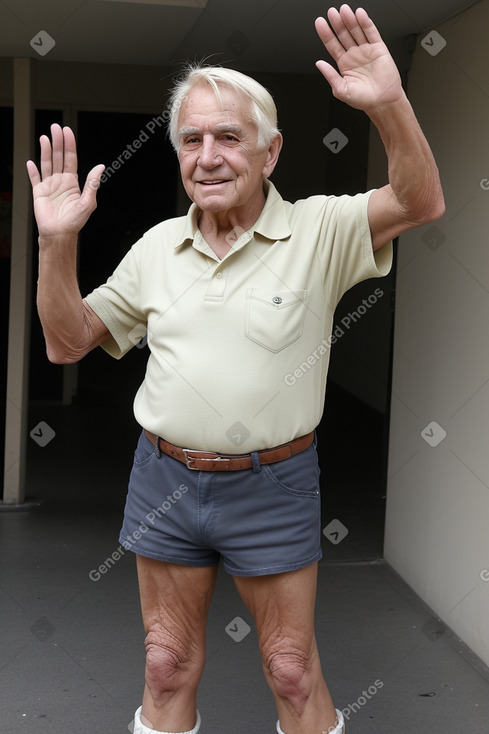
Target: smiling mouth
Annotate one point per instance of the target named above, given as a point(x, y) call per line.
point(215, 182)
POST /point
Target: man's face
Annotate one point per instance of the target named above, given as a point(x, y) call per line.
point(221, 167)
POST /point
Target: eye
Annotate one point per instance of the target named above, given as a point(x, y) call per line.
point(229, 138)
point(191, 140)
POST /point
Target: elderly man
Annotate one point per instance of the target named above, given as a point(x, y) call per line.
point(234, 296)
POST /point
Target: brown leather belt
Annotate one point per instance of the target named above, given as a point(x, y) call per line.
point(208, 461)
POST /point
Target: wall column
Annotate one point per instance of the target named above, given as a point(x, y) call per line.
point(16, 428)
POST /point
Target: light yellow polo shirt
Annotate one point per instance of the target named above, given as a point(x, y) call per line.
point(239, 347)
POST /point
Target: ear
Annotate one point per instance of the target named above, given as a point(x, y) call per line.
point(273, 153)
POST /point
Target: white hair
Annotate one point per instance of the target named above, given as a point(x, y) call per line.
point(262, 106)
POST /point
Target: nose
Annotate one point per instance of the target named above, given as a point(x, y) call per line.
point(209, 156)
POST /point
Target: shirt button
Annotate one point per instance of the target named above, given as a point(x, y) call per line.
point(219, 275)
point(277, 299)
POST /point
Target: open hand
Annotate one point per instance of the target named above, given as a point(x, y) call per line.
point(59, 205)
point(368, 75)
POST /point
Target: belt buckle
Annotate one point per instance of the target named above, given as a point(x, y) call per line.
point(190, 459)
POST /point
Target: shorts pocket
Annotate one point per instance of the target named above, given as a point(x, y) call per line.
point(274, 319)
point(144, 450)
point(298, 475)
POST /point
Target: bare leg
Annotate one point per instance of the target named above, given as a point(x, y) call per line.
point(175, 604)
point(283, 608)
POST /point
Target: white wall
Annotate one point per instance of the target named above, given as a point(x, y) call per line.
point(437, 534)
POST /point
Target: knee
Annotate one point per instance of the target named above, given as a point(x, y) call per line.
point(171, 662)
point(288, 670)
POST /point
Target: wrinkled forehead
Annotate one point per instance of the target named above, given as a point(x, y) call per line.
point(222, 103)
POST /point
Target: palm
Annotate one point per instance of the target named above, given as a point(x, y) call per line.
point(59, 205)
point(367, 74)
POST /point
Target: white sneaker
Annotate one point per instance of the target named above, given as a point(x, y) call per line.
point(338, 729)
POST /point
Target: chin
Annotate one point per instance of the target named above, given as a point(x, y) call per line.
point(214, 204)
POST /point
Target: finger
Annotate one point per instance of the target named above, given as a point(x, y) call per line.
point(332, 77)
point(331, 43)
point(338, 25)
point(46, 157)
point(70, 156)
point(34, 175)
point(353, 25)
point(89, 193)
point(369, 28)
point(58, 148)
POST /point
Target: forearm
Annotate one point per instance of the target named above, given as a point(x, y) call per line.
point(70, 328)
point(413, 173)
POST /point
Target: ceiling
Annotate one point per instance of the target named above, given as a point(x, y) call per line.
point(252, 35)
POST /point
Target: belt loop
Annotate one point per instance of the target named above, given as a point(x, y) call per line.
point(158, 450)
point(256, 462)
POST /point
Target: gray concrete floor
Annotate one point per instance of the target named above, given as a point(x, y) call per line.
point(72, 658)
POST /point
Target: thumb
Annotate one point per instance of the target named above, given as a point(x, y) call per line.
point(92, 183)
point(330, 74)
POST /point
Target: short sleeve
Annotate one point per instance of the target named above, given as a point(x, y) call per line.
point(117, 304)
point(345, 246)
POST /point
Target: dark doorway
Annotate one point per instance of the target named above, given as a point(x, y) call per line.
point(139, 190)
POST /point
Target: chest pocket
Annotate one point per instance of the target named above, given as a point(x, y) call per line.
point(274, 319)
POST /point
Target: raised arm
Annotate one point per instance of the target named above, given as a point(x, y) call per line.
point(71, 328)
point(368, 79)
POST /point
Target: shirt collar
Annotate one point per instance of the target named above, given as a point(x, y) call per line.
point(271, 224)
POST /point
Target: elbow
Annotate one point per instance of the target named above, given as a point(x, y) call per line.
point(62, 349)
point(435, 201)
point(436, 210)
point(429, 209)
point(57, 357)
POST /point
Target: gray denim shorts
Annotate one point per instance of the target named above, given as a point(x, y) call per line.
point(259, 521)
